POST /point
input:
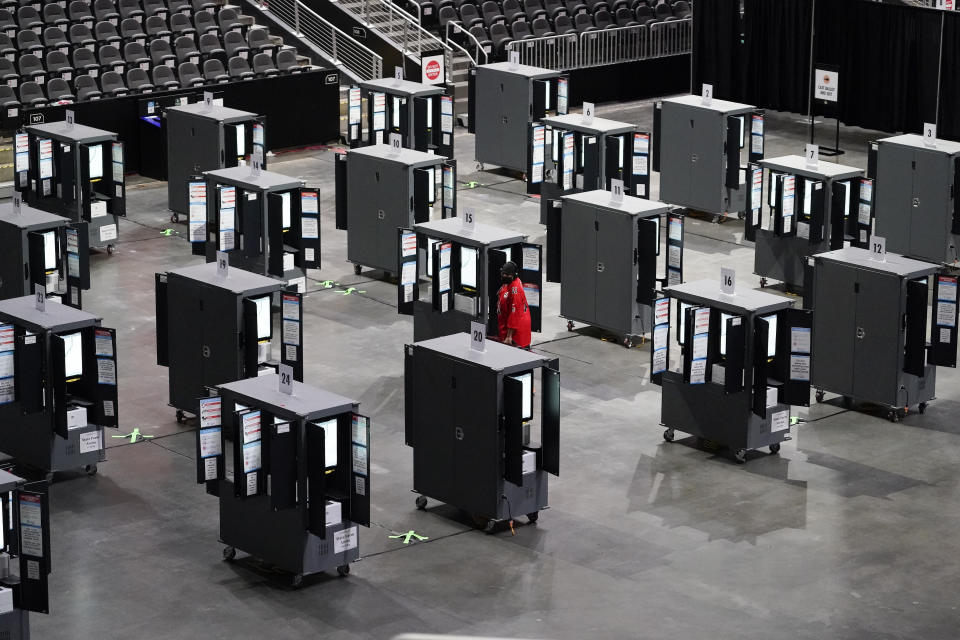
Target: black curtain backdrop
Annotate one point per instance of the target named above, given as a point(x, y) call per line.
point(777, 43)
point(888, 57)
point(949, 124)
point(716, 43)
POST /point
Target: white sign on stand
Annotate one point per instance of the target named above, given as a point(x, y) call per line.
point(706, 95)
point(396, 143)
point(256, 161)
point(223, 264)
point(812, 156)
point(826, 85)
point(70, 117)
point(469, 220)
point(728, 280)
point(208, 99)
point(478, 336)
point(930, 135)
point(17, 202)
point(41, 296)
point(397, 74)
point(588, 111)
point(878, 248)
point(286, 379)
point(616, 191)
point(514, 59)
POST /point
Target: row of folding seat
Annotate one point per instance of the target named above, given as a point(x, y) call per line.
point(111, 83)
point(511, 11)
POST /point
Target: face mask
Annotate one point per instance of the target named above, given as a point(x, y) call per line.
point(506, 278)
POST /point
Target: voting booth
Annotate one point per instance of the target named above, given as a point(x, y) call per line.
point(469, 418)
point(422, 114)
point(917, 205)
point(74, 171)
point(462, 263)
point(25, 506)
point(505, 99)
point(203, 137)
point(300, 483)
point(870, 334)
point(744, 359)
point(216, 326)
point(381, 189)
point(40, 249)
point(699, 149)
point(606, 252)
point(58, 384)
point(267, 222)
point(811, 208)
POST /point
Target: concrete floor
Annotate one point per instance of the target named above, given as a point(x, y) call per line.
point(849, 533)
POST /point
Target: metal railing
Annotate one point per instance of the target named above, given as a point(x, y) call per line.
point(476, 44)
point(342, 49)
point(606, 46)
point(396, 24)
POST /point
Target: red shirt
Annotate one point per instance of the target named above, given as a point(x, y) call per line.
point(513, 313)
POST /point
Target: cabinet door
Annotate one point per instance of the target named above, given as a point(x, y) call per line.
point(879, 342)
point(893, 191)
point(578, 272)
point(706, 161)
point(615, 281)
point(477, 438)
point(931, 220)
point(834, 327)
point(433, 429)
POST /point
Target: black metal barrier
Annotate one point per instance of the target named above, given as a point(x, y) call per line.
point(300, 109)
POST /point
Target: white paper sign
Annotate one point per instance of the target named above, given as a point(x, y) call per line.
point(396, 142)
point(514, 58)
point(826, 85)
point(40, 297)
point(588, 111)
point(17, 202)
point(286, 379)
point(616, 191)
point(223, 264)
point(800, 368)
point(706, 95)
point(469, 220)
point(780, 421)
point(478, 336)
point(812, 156)
point(878, 248)
point(208, 99)
point(70, 118)
point(108, 232)
point(930, 134)
point(398, 73)
point(210, 469)
point(799, 340)
point(728, 280)
point(210, 442)
point(344, 540)
point(90, 441)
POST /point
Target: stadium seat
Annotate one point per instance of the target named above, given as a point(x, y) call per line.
point(87, 89)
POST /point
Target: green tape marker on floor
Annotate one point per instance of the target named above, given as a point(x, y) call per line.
point(408, 536)
point(136, 436)
point(349, 290)
point(328, 284)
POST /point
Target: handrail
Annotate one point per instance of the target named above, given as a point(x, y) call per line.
point(341, 48)
point(395, 12)
point(480, 49)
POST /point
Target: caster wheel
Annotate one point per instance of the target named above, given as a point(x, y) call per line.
point(847, 402)
point(111, 249)
point(174, 218)
point(628, 343)
point(668, 435)
point(90, 469)
point(229, 553)
point(740, 455)
point(775, 448)
point(479, 166)
point(922, 408)
point(356, 269)
point(820, 395)
point(180, 417)
point(296, 581)
point(533, 517)
point(490, 526)
point(741, 215)
point(343, 570)
point(763, 282)
point(893, 416)
point(716, 219)
point(569, 325)
point(421, 502)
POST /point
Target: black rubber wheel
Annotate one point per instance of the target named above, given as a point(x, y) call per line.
point(296, 581)
point(775, 448)
point(229, 553)
point(922, 408)
point(174, 217)
point(90, 469)
point(893, 415)
point(740, 455)
point(820, 395)
point(490, 526)
point(110, 249)
point(343, 570)
point(763, 282)
point(669, 435)
point(357, 269)
point(533, 517)
point(421, 502)
point(569, 325)
point(628, 343)
point(741, 215)
point(179, 416)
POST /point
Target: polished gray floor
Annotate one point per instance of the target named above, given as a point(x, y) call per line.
point(849, 533)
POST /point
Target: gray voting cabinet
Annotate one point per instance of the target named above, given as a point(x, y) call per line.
point(917, 205)
point(745, 358)
point(608, 260)
point(698, 150)
point(505, 100)
point(58, 385)
point(809, 212)
point(213, 329)
point(42, 249)
point(203, 137)
point(467, 416)
point(296, 488)
point(420, 113)
point(379, 190)
point(871, 326)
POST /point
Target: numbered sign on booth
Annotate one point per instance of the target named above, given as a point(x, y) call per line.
point(286, 379)
point(478, 336)
point(878, 248)
point(588, 111)
point(469, 220)
point(616, 191)
point(728, 280)
point(223, 263)
point(813, 156)
point(930, 134)
point(707, 94)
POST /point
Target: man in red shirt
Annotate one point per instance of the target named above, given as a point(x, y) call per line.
point(513, 314)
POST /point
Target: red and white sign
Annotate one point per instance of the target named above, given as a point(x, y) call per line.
point(431, 69)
